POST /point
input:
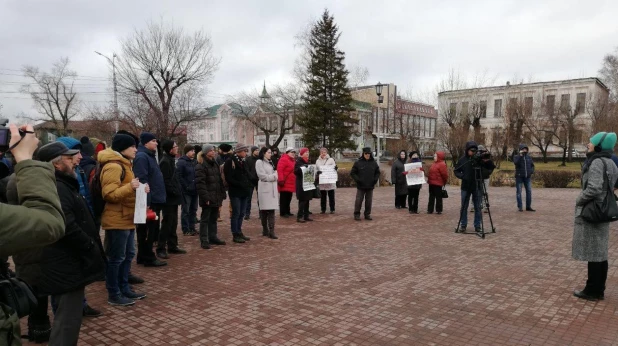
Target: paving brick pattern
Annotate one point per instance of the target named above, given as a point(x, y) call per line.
point(398, 280)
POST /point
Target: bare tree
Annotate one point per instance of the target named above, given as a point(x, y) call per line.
point(358, 76)
point(609, 74)
point(539, 129)
point(160, 61)
point(53, 94)
point(274, 113)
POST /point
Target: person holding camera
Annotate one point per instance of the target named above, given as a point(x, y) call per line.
point(524, 169)
point(486, 170)
point(468, 169)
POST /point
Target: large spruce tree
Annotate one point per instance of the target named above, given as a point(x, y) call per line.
point(326, 119)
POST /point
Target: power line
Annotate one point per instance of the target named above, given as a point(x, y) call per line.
point(79, 75)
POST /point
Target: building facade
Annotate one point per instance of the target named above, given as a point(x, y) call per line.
point(533, 105)
point(223, 123)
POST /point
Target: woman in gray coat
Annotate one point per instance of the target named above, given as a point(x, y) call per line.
point(268, 196)
point(590, 240)
point(398, 177)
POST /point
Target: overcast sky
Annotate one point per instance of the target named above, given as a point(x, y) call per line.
point(410, 43)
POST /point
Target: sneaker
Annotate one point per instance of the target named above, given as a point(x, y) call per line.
point(89, 311)
point(332, 211)
point(308, 219)
point(134, 295)
point(120, 300)
point(135, 280)
point(368, 217)
point(357, 218)
point(300, 221)
point(461, 229)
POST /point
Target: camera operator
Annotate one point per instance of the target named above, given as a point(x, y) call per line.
point(38, 219)
point(465, 170)
point(487, 169)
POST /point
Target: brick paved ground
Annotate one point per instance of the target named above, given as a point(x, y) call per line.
point(398, 280)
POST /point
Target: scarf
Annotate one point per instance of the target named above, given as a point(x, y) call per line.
point(591, 156)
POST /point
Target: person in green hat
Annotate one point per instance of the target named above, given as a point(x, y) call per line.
point(590, 240)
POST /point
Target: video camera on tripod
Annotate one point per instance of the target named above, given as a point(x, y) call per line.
point(479, 156)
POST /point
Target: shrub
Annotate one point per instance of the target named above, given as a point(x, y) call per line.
point(556, 178)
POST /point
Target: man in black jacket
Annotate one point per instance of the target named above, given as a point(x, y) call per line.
point(470, 170)
point(185, 169)
point(253, 178)
point(173, 193)
point(366, 174)
point(74, 261)
point(239, 188)
point(212, 193)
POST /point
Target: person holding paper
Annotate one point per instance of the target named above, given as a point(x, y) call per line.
point(326, 189)
point(117, 217)
point(414, 190)
point(304, 197)
point(398, 177)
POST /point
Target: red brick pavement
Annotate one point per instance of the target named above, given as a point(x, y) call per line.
point(398, 280)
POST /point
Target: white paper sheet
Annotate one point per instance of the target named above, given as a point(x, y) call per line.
point(141, 204)
point(308, 177)
point(416, 175)
point(329, 175)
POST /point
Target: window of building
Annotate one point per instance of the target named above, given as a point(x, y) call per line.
point(212, 137)
point(498, 108)
point(452, 108)
point(298, 143)
point(581, 103)
point(565, 102)
point(285, 144)
point(483, 109)
point(528, 106)
point(550, 104)
point(464, 109)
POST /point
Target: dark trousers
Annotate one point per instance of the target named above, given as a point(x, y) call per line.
point(597, 276)
point(285, 200)
point(168, 235)
point(303, 209)
point(189, 211)
point(120, 252)
point(239, 205)
point(147, 234)
point(248, 210)
point(38, 320)
point(68, 318)
point(400, 201)
point(208, 224)
point(413, 199)
point(268, 221)
point(331, 199)
point(435, 197)
point(363, 194)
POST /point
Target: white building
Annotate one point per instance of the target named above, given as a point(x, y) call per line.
point(580, 96)
point(222, 124)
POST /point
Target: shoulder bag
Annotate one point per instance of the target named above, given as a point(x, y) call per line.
point(604, 211)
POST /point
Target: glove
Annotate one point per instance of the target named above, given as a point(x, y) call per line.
point(405, 173)
point(319, 172)
point(336, 168)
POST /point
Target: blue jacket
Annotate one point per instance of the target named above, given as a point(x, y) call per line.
point(147, 170)
point(84, 187)
point(524, 166)
point(185, 169)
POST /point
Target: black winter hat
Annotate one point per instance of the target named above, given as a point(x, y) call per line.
point(146, 137)
point(225, 147)
point(366, 150)
point(197, 149)
point(120, 142)
point(87, 147)
point(130, 134)
point(167, 146)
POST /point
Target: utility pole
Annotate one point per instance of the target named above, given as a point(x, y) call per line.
point(112, 61)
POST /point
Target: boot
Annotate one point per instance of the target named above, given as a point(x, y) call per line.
point(39, 332)
point(357, 217)
point(264, 220)
point(271, 228)
point(237, 238)
point(244, 237)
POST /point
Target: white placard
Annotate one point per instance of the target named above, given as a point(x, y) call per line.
point(141, 204)
point(308, 177)
point(328, 175)
point(415, 175)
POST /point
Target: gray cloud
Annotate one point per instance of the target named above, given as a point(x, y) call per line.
point(410, 43)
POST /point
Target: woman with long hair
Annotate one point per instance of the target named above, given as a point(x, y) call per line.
point(398, 177)
point(268, 196)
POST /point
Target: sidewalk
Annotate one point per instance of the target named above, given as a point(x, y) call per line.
point(398, 280)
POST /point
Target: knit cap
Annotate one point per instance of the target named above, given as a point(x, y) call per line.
point(609, 142)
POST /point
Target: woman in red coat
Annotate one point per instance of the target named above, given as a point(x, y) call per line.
point(437, 178)
point(286, 181)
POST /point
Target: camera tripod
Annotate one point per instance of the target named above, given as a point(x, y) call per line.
point(482, 199)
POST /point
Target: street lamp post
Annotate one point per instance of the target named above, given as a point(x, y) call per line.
point(112, 61)
point(379, 88)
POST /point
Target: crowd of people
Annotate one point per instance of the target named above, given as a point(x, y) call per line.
point(96, 188)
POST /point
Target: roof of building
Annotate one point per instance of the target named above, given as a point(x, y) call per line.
point(500, 87)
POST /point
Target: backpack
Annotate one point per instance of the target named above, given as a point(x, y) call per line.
point(96, 188)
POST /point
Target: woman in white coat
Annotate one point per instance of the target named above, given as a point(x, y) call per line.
point(326, 189)
point(268, 195)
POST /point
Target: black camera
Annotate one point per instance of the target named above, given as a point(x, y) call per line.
point(480, 156)
point(5, 135)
